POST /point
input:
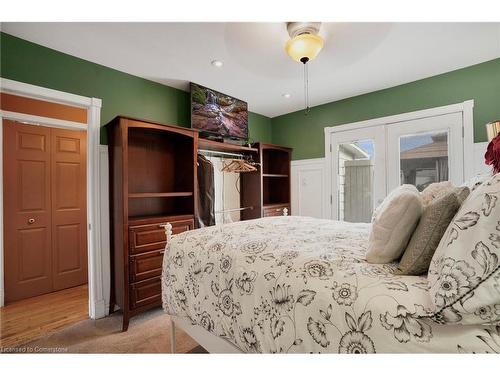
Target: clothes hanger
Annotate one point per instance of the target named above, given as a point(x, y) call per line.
point(238, 166)
point(229, 165)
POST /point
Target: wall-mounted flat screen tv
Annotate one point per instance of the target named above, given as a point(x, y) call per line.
point(218, 114)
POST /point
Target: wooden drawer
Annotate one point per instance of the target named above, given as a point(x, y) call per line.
point(147, 292)
point(150, 237)
point(276, 210)
point(145, 266)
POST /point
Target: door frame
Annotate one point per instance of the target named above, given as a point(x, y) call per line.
point(465, 108)
point(97, 308)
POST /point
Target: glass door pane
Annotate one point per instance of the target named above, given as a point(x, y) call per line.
point(423, 151)
point(358, 178)
point(424, 159)
point(355, 181)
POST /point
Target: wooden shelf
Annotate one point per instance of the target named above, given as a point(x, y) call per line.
point(207, 144)
point(274, 175)
point(273, 205)
point(144, 219)
point(161, 195)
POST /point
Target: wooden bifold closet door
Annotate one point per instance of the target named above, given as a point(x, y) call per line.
point(45, 220)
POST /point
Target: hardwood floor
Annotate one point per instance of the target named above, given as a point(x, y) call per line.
point(27, 320)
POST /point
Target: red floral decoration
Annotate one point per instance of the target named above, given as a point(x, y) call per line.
point(492, 156)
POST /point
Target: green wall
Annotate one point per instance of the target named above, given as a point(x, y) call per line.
point(479, 82)
point(259, 128)
point(121, 93)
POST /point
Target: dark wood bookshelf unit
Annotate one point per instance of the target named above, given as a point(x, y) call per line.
point(152, 182)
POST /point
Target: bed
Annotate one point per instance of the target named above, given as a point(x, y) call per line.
point(302, 285)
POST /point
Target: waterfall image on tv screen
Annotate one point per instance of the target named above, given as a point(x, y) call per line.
point(217, 113)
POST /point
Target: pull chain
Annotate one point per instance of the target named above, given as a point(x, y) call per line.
point(306, 89)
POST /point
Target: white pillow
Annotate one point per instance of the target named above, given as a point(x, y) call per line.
point(464, 275)
point(394, 222)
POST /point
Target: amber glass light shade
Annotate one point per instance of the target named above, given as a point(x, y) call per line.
point(304, 46)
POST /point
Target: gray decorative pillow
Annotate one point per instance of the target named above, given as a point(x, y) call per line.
point(464, 275)
point(433, 190)
point(430, 229)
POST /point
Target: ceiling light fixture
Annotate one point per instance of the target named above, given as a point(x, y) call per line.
point(303, 46)
point(217, 63)
point(286, 96)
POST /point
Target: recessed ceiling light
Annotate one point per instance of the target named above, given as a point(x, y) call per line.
point(217, 63)
point(286, 96)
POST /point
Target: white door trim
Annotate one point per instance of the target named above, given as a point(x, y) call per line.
point(93, 105)
point(466, 108)
point(44, 121)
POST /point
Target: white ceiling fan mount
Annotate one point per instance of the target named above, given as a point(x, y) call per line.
point(299, 28)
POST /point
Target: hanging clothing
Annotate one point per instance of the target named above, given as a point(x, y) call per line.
point(206, 193)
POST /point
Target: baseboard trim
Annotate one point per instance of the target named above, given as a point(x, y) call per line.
point(99, 311)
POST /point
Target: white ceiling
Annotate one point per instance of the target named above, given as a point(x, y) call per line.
point(357, 57)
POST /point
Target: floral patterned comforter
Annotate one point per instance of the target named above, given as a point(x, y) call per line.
point(297, 284)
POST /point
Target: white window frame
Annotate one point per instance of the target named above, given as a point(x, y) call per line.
point(465, 108)
point(97, 305)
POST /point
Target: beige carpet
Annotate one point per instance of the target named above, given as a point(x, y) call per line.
point(147, 333)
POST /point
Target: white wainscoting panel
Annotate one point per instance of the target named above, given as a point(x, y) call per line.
point(479, 151)
point(308, 188)
point(105, 239)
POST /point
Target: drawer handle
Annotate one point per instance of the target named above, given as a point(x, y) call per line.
point(278, 209)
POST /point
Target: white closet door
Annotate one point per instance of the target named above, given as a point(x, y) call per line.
point(423, 151)
point(358, 178)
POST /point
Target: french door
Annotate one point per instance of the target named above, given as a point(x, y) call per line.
point(369, 162)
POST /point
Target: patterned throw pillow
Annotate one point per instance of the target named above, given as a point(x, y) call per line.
point(430, 229)
point(464, 275)
point(476, 181)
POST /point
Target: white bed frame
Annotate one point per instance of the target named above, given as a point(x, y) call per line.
point(209, 341)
